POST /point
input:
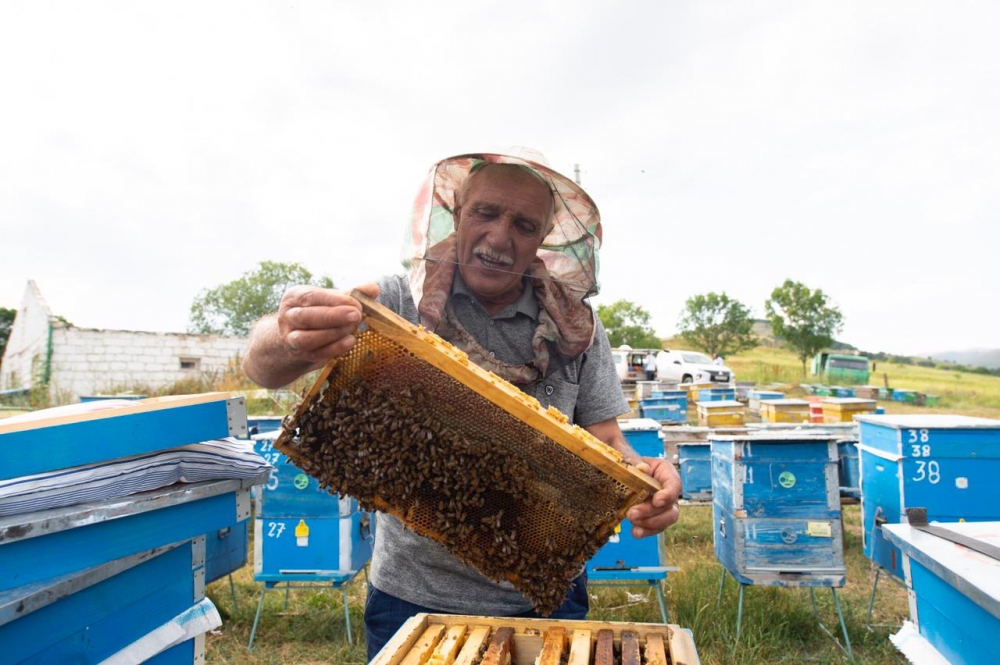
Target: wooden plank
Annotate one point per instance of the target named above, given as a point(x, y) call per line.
point(630, 648)
point(656, 652)
point(474, 646)
point(449, 647)
point(63, 416)
point(421, 652)
point(501, 648)
point(62, 438)
point(682, 649)
point(580, 647)
point(604, 654)
point(553, 645)
point(527, 635)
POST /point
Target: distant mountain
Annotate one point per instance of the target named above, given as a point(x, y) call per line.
point(989, 358)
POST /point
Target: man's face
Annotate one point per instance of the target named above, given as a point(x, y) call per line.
point(501, 221)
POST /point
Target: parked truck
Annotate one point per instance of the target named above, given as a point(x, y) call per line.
point(841, 367)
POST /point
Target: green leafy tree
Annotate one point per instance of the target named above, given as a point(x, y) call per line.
point(803, 318)
point(715, 323)
point(6, 323)
point(627, 323)
point(232, 308)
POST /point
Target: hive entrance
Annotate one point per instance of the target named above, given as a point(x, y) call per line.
point(395, 424)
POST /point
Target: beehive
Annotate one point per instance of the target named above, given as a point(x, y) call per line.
point(467, 640)
point(843, 409)
point(408, 425)
point(784, 411)
point(723, 413)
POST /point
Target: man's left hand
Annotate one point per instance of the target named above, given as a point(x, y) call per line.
point(660, 510)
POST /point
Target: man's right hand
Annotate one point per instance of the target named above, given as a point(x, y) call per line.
point(312, 325)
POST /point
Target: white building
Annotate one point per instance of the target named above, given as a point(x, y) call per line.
point(43, 350)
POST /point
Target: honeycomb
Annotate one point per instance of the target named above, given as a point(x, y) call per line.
point(407, 425)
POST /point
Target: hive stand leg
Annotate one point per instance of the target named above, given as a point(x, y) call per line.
point(347, 614)
point(722, 581)
point(739, 611)
point(232, 588)
point(287, 589)
point(256, 619)
point(840, 615)
point(871, 601)
point(662, 600)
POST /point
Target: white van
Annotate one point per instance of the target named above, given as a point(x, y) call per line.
point(629, 362)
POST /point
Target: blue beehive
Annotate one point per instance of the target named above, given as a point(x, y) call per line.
point(625, 559)
point(716, 394)
point(954, 594)
point(904, 395)
point(644, 435)
point(695, 461)
point(850, 469)
point(338, 535)
point(948, 464)
point(262, 424)
point(776, 506)
point(665, 406)
point(137, 570)
point(842, 391)
point(755, 397)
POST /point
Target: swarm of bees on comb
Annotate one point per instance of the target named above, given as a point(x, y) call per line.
point(395, 424)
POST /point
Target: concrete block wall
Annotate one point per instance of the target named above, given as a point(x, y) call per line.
point(90, 362)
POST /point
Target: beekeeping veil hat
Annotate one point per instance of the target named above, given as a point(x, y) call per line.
point(563, 275)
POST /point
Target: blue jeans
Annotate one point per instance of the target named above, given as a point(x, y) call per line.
point(385, 614)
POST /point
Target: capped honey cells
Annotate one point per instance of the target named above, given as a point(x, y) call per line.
point(406, 425)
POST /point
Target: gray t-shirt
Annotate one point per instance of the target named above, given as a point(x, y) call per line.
point(586, 388)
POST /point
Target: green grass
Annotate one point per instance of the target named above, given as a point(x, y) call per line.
point(778, 626)
point(778, 623)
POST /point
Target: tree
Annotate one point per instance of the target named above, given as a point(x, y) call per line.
point(6, 323)
point(627, 323)
point(803, 318)
point(717, 324)
point(232, 308)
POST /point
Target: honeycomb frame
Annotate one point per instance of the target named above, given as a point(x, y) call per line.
point(408, 425)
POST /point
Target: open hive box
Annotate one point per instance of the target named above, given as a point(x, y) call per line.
point(406, 424)
point(442, 639)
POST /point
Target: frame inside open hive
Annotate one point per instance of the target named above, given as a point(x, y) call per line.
point(406, 424)
point(441, 639)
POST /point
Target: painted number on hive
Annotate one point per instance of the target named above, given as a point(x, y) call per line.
point(917, 436)
point(917, 450)
point(929, 471)
point(275, 529)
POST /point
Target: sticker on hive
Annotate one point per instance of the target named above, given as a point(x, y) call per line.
point(408, 426)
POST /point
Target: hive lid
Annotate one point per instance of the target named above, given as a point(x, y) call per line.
point(405, 423)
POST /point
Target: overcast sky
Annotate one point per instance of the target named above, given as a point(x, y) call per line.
point(149, 151)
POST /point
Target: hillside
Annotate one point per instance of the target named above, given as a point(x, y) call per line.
point(989, 358)
point(958, 391)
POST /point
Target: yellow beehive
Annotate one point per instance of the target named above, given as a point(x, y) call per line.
point(721, 413)
point(405, 423)
point(693, 388)
point(468, 640)
point(784, 411)
point(843, 409)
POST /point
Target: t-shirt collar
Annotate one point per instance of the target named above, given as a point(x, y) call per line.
point(525, 304)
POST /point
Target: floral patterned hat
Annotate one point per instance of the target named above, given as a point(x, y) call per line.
point(569, 252)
